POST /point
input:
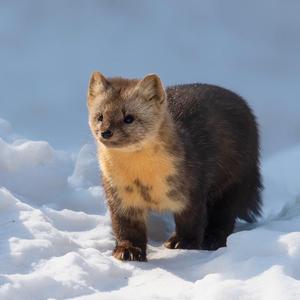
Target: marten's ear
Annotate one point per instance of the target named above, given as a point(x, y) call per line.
point(97, 85)
point(152, 88)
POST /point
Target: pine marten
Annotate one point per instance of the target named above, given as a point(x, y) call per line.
point(190, 149)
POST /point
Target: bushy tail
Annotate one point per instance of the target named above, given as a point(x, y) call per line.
point(250, 202)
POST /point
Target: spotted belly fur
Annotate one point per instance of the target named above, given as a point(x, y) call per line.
point(146, 179)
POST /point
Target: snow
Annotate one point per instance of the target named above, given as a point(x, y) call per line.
point(56, 239)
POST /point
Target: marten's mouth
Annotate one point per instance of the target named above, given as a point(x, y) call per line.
point(110, 144)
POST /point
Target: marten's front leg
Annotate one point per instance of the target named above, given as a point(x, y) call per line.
point(129, 227)
point(130, 231)
point(190, 226)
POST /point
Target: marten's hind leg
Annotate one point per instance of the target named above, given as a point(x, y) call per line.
point(221, 216)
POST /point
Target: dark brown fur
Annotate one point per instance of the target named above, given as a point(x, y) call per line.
point(220, 135)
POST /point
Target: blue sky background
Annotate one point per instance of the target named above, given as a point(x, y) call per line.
point(49, 48)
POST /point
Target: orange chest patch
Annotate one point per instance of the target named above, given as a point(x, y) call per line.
point(145, 179)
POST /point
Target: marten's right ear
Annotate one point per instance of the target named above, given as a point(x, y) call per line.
point(97, 85)
point(152, 88)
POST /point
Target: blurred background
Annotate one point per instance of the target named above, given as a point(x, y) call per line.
point(49, 48)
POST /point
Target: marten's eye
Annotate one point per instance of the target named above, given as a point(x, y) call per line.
point(100, 118)
point(128, 119)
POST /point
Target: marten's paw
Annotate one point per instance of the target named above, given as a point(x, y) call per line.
point(214, 241)
point(175, 242)
point(129, 253)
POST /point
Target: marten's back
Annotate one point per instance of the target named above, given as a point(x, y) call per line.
point(220, 135)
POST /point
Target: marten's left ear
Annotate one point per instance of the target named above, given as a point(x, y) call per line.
point(97, 85)
point(152, 88)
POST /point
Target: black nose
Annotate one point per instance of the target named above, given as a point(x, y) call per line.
point(106, 134)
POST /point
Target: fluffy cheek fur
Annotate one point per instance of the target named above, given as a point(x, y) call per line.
point(148, 117)
point(140, 130)
point(136, 133)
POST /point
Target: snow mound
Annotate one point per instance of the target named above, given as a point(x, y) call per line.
point(56, 241)
point(42, 175)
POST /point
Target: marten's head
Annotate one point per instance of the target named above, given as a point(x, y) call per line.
point(125, 113)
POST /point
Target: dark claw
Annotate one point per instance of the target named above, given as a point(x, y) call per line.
point(175, 242)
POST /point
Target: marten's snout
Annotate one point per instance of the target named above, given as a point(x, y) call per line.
point(106, 134)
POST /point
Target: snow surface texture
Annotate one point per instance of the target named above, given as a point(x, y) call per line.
point(56, 242)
